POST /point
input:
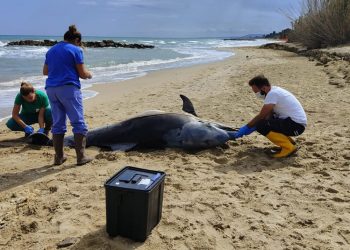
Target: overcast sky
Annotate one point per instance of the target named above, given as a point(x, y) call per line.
point(146, 18)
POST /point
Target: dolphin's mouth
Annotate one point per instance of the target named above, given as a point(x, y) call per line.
point(231, 135)
point(224, 137)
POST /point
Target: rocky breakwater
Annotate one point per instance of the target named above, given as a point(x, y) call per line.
point(91, 44)
point(335, 61)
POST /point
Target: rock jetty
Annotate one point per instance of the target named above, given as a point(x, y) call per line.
point(91, 44)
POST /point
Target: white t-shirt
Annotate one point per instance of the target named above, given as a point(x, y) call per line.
point(286, 105)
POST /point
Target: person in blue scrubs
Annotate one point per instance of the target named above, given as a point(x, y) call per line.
point(64, 65)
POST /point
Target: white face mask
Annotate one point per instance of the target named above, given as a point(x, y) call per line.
point(259, 95)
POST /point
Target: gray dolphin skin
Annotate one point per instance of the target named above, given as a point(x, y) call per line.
point(157, 129)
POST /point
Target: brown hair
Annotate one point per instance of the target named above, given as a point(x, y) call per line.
point(259, 81)
point(72, 34)
point(26, 88)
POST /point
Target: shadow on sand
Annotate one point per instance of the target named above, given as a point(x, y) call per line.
point(11, 180)
point(100, 240)
point(256, 159)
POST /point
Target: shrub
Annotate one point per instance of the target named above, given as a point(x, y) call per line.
point(322, 23)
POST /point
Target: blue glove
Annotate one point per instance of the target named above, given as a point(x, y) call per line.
point(41, 130)
point(245, 130)
point(29, 130)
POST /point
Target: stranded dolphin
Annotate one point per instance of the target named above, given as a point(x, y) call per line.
point(157, 129)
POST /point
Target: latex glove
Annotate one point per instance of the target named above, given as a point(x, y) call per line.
point(41, 130)
point(29, 130)
point(245, 130)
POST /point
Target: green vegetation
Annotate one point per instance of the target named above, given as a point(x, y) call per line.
point(279, 35)
point(322, 23)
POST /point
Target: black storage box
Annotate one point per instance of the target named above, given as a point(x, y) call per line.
point(134, 198)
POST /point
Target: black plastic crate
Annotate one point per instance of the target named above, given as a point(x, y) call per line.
point(134, 198)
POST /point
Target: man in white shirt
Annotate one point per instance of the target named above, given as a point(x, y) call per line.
point(281, 116)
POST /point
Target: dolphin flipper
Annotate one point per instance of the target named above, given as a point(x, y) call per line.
point(187, 105)
point(122, 146)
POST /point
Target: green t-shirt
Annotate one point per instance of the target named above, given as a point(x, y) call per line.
point(41, 101)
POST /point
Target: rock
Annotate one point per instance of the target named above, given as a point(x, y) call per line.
point(324, 59)
point(67, 242)
point(92, 44)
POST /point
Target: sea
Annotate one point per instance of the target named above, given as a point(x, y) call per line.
point(108, 65)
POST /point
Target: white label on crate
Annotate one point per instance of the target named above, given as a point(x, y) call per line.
point(117, 183)
point(144, 182)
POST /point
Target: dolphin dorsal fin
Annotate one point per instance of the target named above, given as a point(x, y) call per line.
point(187, 105)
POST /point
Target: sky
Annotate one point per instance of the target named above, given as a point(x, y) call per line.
point(146, 18)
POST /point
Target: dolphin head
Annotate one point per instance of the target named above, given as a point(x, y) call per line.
point(198, 134)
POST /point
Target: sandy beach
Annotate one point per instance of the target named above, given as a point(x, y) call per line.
point(222, 198)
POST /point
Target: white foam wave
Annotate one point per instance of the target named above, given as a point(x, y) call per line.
point(36, 81)
point(134, 66)
point(24, 52)
point(3, 44)
point(3, 118)
point(147, 41)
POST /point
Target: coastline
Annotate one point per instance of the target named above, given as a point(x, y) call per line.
point(235, 197)
point(93, 89)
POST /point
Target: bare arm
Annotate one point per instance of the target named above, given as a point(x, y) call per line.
point(265, 112)
point(41, 120)
point(83, 72)
point(15, 116)
point(45, 70)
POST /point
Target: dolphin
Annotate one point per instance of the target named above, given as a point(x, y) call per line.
point(158, 129)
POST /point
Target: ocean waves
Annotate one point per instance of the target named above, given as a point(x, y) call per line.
point(109, 65)
point(26, 52)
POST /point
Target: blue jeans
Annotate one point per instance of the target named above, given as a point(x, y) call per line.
point(30, 119)
point(66, 101)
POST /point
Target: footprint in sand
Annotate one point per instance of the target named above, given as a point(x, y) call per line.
point(2, 224)
point(29, 228)
point(53, 189)
point(332, 190)
point(221, 160)
point(178, 186)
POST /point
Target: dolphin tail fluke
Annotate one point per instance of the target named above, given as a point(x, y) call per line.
point(187, 105)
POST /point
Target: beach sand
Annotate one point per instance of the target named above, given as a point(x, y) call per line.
point(222, 198)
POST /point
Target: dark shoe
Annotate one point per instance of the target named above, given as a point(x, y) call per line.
point(59, 160)
point(57, 140)
point(80, 144)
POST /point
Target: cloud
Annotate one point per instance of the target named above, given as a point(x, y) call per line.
point(131, 3)
point(87, 2)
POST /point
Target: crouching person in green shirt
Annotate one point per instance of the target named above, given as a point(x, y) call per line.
point(31, 106)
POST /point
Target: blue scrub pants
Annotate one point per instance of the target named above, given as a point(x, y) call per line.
point(66, 101)
point(30, 119)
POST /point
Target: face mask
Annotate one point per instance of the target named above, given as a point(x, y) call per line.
point(260, 95)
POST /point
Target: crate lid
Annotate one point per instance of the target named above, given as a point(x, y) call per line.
point(135, 178)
